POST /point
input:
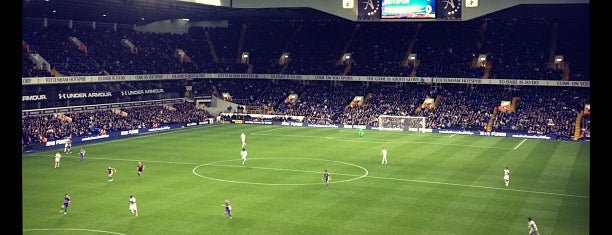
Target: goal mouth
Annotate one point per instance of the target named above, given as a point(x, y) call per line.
point(401, 123)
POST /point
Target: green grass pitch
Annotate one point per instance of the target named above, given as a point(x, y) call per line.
point(433, 184)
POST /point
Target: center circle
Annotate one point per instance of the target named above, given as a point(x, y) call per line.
point(216, 163)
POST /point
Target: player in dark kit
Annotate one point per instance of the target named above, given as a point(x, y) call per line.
point(66, 204)
point(326, 178)
point(140, 168)
point(228, 208)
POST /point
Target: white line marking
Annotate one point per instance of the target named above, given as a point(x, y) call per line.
point(396, 179)
point(280, 169)
point(519, 144)
point(451, 135)
point(70, 229)
point(370, 176)
point(270, 129)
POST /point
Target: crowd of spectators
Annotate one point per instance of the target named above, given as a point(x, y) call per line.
point(539, 110)
point(62, 125)
point(517, 49)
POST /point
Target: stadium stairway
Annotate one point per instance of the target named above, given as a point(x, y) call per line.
point(552, 53)
point(492, 120)
point(437, 101)
point(367, 98)
point(566, 71)
point(487, 72)
point(514, 103)
point(578, 128)
point(243, 32)
point(55, 73)
point(347, 69)
point(211, 47)
point(417, 61)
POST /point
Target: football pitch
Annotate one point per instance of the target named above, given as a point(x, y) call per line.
point(432, 184)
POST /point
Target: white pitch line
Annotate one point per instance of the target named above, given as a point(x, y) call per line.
point(368, 176)
point(409, 180)
point(519, 144)
point(70, 229)
point(276, 169)
point(451, 135)
point(269, 129)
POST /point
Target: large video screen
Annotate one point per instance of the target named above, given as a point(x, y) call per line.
point(408, 9)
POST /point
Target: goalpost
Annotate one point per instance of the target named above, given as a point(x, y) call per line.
point(401, 123)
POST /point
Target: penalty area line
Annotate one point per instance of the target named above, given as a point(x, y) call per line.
point(519, 144)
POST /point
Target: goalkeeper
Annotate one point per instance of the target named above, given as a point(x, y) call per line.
point(361, 133)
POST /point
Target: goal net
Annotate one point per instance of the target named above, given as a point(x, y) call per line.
point(401, 123)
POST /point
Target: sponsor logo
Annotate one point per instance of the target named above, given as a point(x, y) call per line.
point(50, 143)
point(62, 96)
point(354, 126)
point(140, 92)
point(292, 124)
point(33, 97)
point(320, 125)
point(135, 92)
point(154, 91)
point(259, 122)
point(95, 137)
point(484, 133)
point(532, 136)
point(130, 132)
point(99, 94)
point(159, 128)
point(457, 132)
point(388, 129)
point(81, 95)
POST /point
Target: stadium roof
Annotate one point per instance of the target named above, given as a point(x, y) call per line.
point(549, 11)
point(141, 12)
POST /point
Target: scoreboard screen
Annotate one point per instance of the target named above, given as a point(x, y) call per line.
point(408, 9)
